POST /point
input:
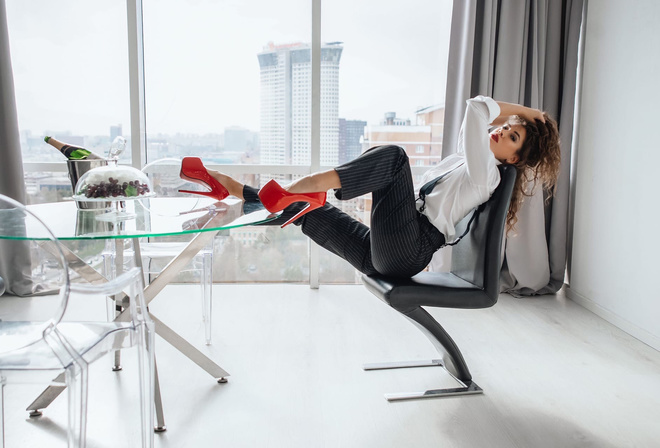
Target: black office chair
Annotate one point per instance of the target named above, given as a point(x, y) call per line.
point(473, 282)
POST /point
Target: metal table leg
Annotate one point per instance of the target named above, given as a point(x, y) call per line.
point(119, 267)
point(52, 392)
point(151, 291)
point(156, 285)
point(158, 403)
point(189, 350)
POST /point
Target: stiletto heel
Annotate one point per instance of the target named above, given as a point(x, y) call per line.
point(193, 170)
point(275, 198)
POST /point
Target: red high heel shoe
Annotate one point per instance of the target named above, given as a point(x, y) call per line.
point(192, 169)
point(275, 198)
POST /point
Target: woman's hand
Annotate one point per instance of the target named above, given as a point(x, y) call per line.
point(530, 114)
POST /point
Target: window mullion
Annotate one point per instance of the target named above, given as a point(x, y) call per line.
point(316, 125)
point(136, 83)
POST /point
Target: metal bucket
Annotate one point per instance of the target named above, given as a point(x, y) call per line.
point(76, 169)
point(87, 222)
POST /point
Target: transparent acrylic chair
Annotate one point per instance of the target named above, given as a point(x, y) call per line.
point(36, 344)
point(156, 253)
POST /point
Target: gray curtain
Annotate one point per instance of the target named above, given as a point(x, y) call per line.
point(14, 255)
point(521, 52)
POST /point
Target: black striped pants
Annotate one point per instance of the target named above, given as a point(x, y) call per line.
point(400, 242)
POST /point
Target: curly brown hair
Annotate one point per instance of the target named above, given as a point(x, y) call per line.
point(538, 161)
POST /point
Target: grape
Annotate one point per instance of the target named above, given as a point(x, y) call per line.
point(113, 188)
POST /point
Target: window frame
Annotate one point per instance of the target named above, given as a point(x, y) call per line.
point(138, 117)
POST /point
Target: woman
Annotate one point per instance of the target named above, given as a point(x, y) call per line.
point(405, 229)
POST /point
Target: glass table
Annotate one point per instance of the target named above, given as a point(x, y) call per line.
point(152, 217)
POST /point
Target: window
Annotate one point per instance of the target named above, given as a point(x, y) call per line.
point(216, 89)
point(375, 73)
point(217, 75)
point(231, 82)
point(69, 60)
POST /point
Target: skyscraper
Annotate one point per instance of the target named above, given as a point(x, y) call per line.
point(351, 133)
point(286, 103)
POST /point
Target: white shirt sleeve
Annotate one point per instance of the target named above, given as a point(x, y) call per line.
point(473, 138)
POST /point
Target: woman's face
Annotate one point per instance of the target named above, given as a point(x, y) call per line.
point(506, 141)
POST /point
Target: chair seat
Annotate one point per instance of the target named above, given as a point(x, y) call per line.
point(165, 251)
point(89, 339)
point(441, 289)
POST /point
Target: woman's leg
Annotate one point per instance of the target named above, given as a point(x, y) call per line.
point(402, 240)
point(312, 183)
point(234, 187)
point(331, 229)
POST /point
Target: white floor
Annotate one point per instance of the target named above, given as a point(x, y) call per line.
point(554, 375)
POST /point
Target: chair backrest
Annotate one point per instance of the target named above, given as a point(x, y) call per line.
point(37, 267)
point(165, 179)
point(477, 258)
point(166, 182)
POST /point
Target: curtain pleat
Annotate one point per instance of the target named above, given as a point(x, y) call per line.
point(15, 262)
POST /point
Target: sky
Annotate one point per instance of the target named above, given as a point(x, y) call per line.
point(70, 60)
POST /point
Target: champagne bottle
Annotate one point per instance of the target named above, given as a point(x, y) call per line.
point(71, 152)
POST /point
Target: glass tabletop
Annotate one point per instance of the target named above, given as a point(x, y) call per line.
point(142, 218)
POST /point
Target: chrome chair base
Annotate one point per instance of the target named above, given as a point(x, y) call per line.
point(467, 387)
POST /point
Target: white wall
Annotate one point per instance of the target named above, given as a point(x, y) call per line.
point(615, 264)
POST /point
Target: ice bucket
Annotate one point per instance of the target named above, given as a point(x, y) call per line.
point(76, 169)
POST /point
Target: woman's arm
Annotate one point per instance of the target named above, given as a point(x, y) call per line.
point(508, 109)
point(473, 140)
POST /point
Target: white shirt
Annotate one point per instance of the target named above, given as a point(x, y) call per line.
point(472, 183)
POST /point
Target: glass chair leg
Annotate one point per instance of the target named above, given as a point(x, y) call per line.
point(207, 294)
point(2, 412)
point(147, 365)
point(108, 272)
point(76, 379)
